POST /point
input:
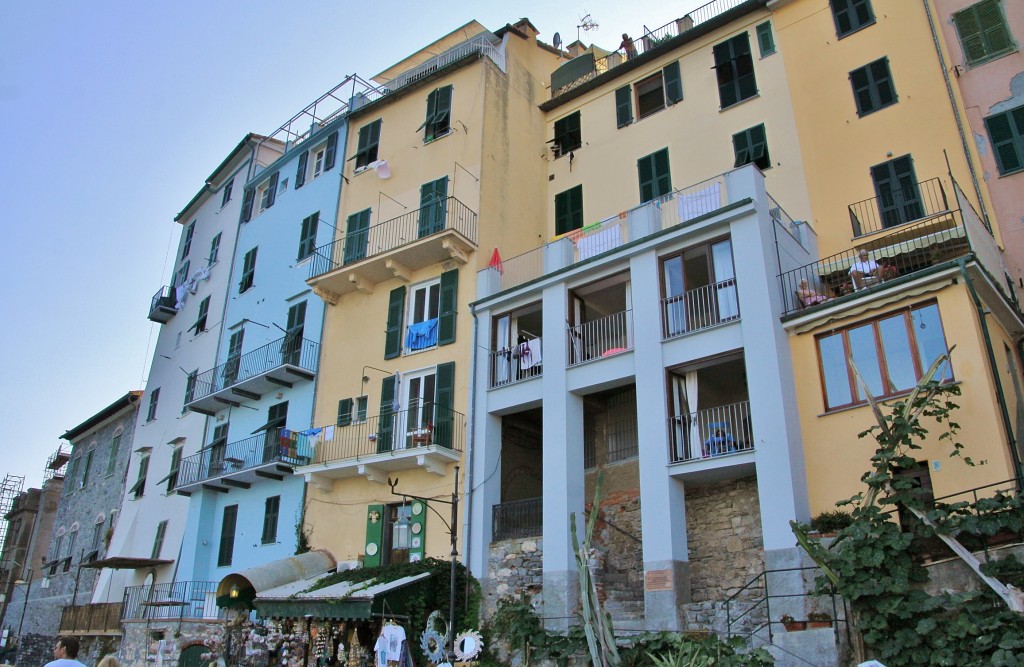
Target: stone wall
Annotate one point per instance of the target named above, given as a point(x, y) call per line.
point(514, 567)
point(723, 526)
point(161, 642)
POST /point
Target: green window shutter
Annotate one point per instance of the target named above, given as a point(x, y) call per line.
point(429, 117)
point(386, 421)
point(442, 115)
point(345, 412)
point(448, 304)
point(247, 202)
point(418, 531)
point(300, 173)
point(765, 39)
point(331, 152)
point(444, 399)
point(645, 170)
point(969, 29)
point(569, 210)
point(1006, 144)
point(673, 83)
point(623, 106)
point(272, 189)
point(662, 177)
point(994, 30)
point(357, 236)
point(433, 206)
point(393, 333)
point(374, 535)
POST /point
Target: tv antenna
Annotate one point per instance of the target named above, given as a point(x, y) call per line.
point(587, 23)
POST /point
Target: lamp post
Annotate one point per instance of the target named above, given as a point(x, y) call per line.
point(453, 529)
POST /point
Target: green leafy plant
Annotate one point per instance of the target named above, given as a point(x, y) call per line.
point(831, 521)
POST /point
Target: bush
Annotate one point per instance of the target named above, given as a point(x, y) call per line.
point(831, 522)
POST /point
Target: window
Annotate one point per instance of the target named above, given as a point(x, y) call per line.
point(734, 68)
point(424, 301)
point(190, 388)
point(318, 162)
point(984, 33)
point(655, 180)
point(872, 87)
point(323, 160)
point(204, 310)
point(158, 540)
point(569, 210)
point(214, 249)
point(139, 487)
point(154, 399)
point(361, 403)
point(432, 309)
point(247, 203)
point(291, 347)
point(1006, 132)
point(55, 554)
point(623, 106)
point(227, 536)
point(891, 352)
point(765, 39)
point(357, 234)
point(69, 476)
point(345, 412)
point(72, 537)
point(851, 15)
point(172, 475)
point(439, 112)
point(699, 286)
point(899, 199)
point(433, 213)
point(232, 364)
point(187, 245)
point(225, 196)
point(275, 445)
point(426, 397)
point(307, 235)
point(751, 146)
point(568, 136)
point(271, 509)
point(86, 465)
point(659, 90)
point(182, 276)
point(248, 271)
point(369, 139)
point(97, 531)
point(115, 445)
point(268, 192)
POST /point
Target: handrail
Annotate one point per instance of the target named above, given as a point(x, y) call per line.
point(709, 433)
point(699, 308)
point(179, 599)
point(760, 582)
point(289, 350)
point(602, 337)
point(517, 518)
point(392, 433)
point(902, 205)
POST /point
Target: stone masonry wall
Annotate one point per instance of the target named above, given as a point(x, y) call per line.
point(514, 567)
point(161, 642)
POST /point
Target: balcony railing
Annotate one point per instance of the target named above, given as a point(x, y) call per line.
point(602, 337)
point(902, 252)
point(402, 431)
point(163, 305)
point(519, 362)
point(181, 599)
point(709, 433)
point(486, 44)
point(518, 518)
point(899, 206)
point(354, 247)
point(91, 619)
point(651, 39)
point(273, 446)
point(700, 308)
point(290, 351)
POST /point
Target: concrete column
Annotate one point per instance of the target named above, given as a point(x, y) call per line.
point(487, 479)
point(663, 505)
point(197, 546)
point(562, 464)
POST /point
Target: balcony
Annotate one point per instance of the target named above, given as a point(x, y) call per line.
point(178, 600)
point(426, 436)
point(602, 337)
point(360, 259)
point(699, 308)
point(268, 455)
point(516, 363)
point(281, 363)
point(517, 519)
point(899, 206)
point(91, 619)
point(163, 306)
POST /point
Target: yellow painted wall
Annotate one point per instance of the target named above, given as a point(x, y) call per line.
point(836, 458)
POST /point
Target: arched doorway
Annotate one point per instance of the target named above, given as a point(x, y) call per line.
point(192, 656)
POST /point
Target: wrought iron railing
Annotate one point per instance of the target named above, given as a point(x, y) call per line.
point(708, 433)
point(290, 350)
point(276, 445)
point(700, 308)
point(163, 302)
point(905, 251)
point(602, 337)
point(485, 44)
point(652, 39)
point(93, 619)
point(899, 206)
point(748, 611)
point(398, 432)
point(181, 599)
point(448, 214)
point(517, 518)
point(519, 362)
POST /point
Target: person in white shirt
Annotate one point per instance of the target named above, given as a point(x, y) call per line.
point(864, 271)
point(65, 652)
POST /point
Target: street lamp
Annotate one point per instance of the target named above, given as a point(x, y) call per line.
point(453, 528)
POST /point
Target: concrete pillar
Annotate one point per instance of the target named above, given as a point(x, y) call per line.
point(487, 480)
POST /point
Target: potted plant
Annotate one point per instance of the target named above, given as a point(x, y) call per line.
point(791, 624)
point(819, 619)
point(827, 524)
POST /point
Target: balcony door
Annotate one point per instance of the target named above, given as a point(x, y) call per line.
point(234, 358)
point(217, 450)
point(899, 199)
point(291, 347)
point(416, 409)
point(700, 288)
point(274, 443)
point(433, 206)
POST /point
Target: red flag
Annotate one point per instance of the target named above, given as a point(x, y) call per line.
point(496, 262)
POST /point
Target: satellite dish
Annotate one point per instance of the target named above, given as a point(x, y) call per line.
point(556, 41)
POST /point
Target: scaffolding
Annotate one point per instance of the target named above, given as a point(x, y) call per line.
point(10, 489)
point(55, 464)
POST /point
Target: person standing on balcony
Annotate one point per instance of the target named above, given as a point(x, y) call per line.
point(864, 271)
point(65, 652)
point(627, 46)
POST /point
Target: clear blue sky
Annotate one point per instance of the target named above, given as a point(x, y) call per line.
point(115, 111)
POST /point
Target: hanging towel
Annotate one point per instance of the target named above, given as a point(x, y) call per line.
point(180, 294)
point(701, 202)
point(602, 241)
point(529, 354)
point(421, 335)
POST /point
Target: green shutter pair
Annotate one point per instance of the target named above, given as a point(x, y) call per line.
point(751, 146)
point(357, 235)
point(569, 210)
point(438, 118)
point(1006, 131)
point(983, 31)
point(447, 310)
point(433, 211)
point(655, 179)
point(443, 419)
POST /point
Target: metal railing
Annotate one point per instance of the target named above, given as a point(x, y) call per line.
point(276, 445)
point(486, 44)
point(749, 610)
point(449, 214)
point(652, 39)
point(903, 252)
point(517, 518)
point(402, 431)
point(700, 308)
point(708, 433)
point(602, 337)
point(163, 299)
point(93, 619)
point(512, 364)
point(181, 599)
point(290, 350)
point(900, 206)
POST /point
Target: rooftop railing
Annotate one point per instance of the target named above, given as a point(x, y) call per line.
point(277, 445)
point(485, 44)
point(290, 350)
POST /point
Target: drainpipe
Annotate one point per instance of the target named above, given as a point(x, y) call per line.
point(956, 115)
point(1000, 397)
point(470, 427)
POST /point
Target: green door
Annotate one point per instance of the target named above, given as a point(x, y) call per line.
point(192, 656)
point(433, 206)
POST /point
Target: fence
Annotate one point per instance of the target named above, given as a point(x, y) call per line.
point(517, 518)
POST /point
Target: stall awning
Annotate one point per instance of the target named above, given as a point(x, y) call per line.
point(127, 563)
point(312, 564)
point(345, 600)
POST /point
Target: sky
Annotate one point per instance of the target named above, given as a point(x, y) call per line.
point(115, 111)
